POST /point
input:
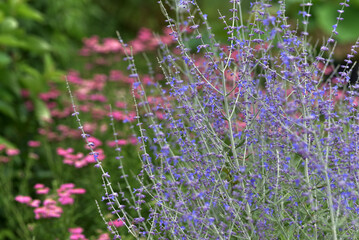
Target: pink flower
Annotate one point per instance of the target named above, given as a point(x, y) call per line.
point(4, 159)
point(63, 152)
point(241, 125)
point(2, 147)
point(33, 143)
point(23, 199)
point(52, 94)
point(116, 75)
point(104, 236)
point(111, 143)
point(43, 190)
point(121, 104)
point(74, 77)
point(76, 234)
point(80, 164)
point(39, 185)
point(145, 34)
point(133, 140)
point(120, 142)
point(94, 142)
point(49, 210)
point(66, 200)
point(147, 80)
point(98, 97)
point(100, 78)
point(49, 202)
point(77, 230)
point(111, 45)
point(12, 152)
point(77, 191)
point(160, 115)
point(103, 128)
point(25, 93)
point(75, 160)
point(67, 186)
point(35, 203)
point(118, 115)
point(90, 127)
point(117, 223)
point(100, 156)
point(66, 190)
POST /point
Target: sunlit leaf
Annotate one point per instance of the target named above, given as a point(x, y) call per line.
point(25, 11)
point(41, 111)
point(7, 110)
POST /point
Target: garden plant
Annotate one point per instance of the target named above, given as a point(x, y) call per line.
point(253, 139)
point(179, 135)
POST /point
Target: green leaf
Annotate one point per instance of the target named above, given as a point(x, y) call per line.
point(37, 44)
point(2, 14)
point(41, 111)
point(7, 234)
point(4, 59)
point(31, 78)
point(11, 41)
point(7, 110)
point(49, 65)
point(7, 143)
point(24, 11)
point(326, 17)
point(9, 24)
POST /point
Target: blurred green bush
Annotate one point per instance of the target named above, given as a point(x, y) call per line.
point(25, 63)
point(40, 39)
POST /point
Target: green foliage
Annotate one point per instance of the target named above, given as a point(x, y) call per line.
point(21, 67)
point(323, 16)
point(326, 14)
point(39, 40)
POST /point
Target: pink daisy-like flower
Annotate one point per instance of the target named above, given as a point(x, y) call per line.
point(33, 143)
point(23, 199)
point(76, 234)
point(12, 152)
point(117, 223)
point(34, 203)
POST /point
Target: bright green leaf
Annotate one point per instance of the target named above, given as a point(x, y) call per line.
point(7, 234)
point(24, 11)
point(2, 15)
point(49, 65)
point(37, 44)
point(11, 41)
point(4, 59)
point(31, 78)
point(326, 16)
point(9, 24)
point(41, 111)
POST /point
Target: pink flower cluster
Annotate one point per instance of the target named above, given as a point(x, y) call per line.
point(120, 116)
point(33, 144)
point(6, 153)
point(117, 223)
point(50, 208)
point(145, 41)
point(121, 142)
point(66, 191)
point(79, 160)
point(41, 189)
point(77, 234)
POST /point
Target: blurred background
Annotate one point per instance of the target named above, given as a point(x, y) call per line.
point(39, 44)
